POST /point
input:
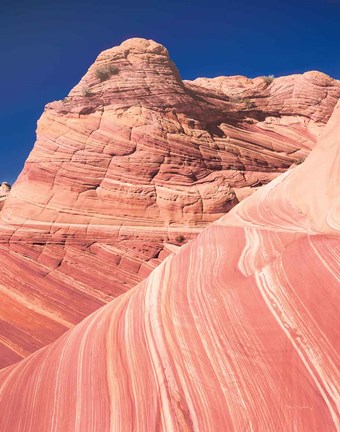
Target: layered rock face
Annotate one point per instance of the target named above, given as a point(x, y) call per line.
point(133, 163)
point(234, 332)
point(4, 191)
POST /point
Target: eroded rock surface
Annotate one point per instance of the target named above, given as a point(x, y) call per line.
point(133, 163)
point(236, 331)
point(4, 191)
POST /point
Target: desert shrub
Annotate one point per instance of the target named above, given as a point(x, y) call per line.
point(180, 238)
point(103, 73)
point(246, 101)
point(86, 92)
point(235, 99)
point(249, 103)
point(268, 79)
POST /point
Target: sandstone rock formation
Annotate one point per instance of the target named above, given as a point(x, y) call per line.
point(234, 332)
point(4, 191)
point(133, 163)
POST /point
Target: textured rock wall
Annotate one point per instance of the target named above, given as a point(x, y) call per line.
point(236, 331)
point(133, 163)
point(4, 191)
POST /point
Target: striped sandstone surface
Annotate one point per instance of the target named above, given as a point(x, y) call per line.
point(236, 331)
point(132, 164)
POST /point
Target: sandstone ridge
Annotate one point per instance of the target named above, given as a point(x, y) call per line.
point(132, 164)
point(235, 331)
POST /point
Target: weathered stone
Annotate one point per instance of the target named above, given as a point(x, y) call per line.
point(132, 160)
point(234, 332)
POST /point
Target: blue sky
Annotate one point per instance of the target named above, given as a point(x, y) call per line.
point(46, 46)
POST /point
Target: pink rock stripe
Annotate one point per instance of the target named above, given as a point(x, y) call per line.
point(235, 332)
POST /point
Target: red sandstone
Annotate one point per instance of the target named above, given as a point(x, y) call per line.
point(127, 169)
point(236, 331)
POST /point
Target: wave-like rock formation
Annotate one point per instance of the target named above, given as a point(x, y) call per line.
point(235, 332)
point(4, 191)
point(132, 164)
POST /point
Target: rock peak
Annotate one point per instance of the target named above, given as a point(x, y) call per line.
point(134, 47)
point(144, 45)
point(118, 71)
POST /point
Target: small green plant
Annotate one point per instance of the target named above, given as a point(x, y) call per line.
point(246, 101)
point(103, 73)
point(268, 79)
point(235, 99)
point(86, 92)
point(180, 238)
point(249, 103)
